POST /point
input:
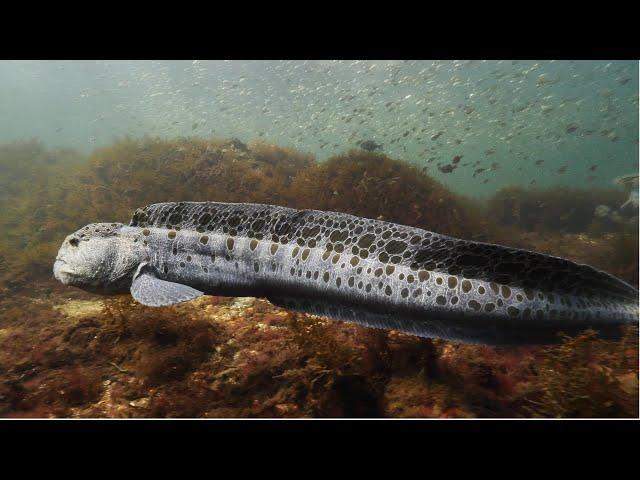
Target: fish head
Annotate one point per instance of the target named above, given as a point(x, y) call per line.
point(88, 258)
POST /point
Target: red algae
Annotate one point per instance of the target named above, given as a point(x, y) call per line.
point(67, 353)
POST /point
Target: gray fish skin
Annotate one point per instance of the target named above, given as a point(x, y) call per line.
point(366, 271)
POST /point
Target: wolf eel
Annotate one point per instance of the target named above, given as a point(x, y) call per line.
point(370, 272)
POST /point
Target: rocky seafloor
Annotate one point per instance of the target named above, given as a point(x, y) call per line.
point(67, 353)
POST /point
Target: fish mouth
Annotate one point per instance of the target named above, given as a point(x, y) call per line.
point(67, 276)
point(62, 274)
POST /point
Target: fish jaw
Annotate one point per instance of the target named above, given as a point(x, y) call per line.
point(61, 273)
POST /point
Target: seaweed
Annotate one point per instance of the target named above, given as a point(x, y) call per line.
point(64, 352)
point(117, 179)
point(169, 343)
point(586, 377)
point(624, 261)
point(556, 209)
point(372, 185)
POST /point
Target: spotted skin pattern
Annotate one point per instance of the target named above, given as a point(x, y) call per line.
point(372, 272)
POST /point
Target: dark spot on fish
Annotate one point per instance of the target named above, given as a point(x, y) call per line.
point(471, 261)
point(395, 247)
point(366, 240)
point(474, 305)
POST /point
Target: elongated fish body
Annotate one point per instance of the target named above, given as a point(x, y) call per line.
point(366, 271)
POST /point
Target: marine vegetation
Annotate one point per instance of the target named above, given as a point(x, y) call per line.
point(372, 185)
point(224, 357)
point(586, 364)
point(68, 353)
point(558, 209)
point(116, 180)
point(129, 174)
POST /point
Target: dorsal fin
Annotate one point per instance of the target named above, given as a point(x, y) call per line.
point(207, 216)
point(172, 214)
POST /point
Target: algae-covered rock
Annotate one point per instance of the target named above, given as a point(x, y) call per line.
point(67, 353)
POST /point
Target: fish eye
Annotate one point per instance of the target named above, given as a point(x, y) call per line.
point(74, 242)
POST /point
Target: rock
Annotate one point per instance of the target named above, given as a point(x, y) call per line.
point(80, 308)
point(629, 383)
point(140, 402)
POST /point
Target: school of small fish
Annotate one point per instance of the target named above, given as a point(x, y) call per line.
point(474, 125)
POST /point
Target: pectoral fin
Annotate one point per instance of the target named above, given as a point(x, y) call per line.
point(149, 290)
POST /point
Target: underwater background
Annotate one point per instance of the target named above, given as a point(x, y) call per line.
point(541, 155)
